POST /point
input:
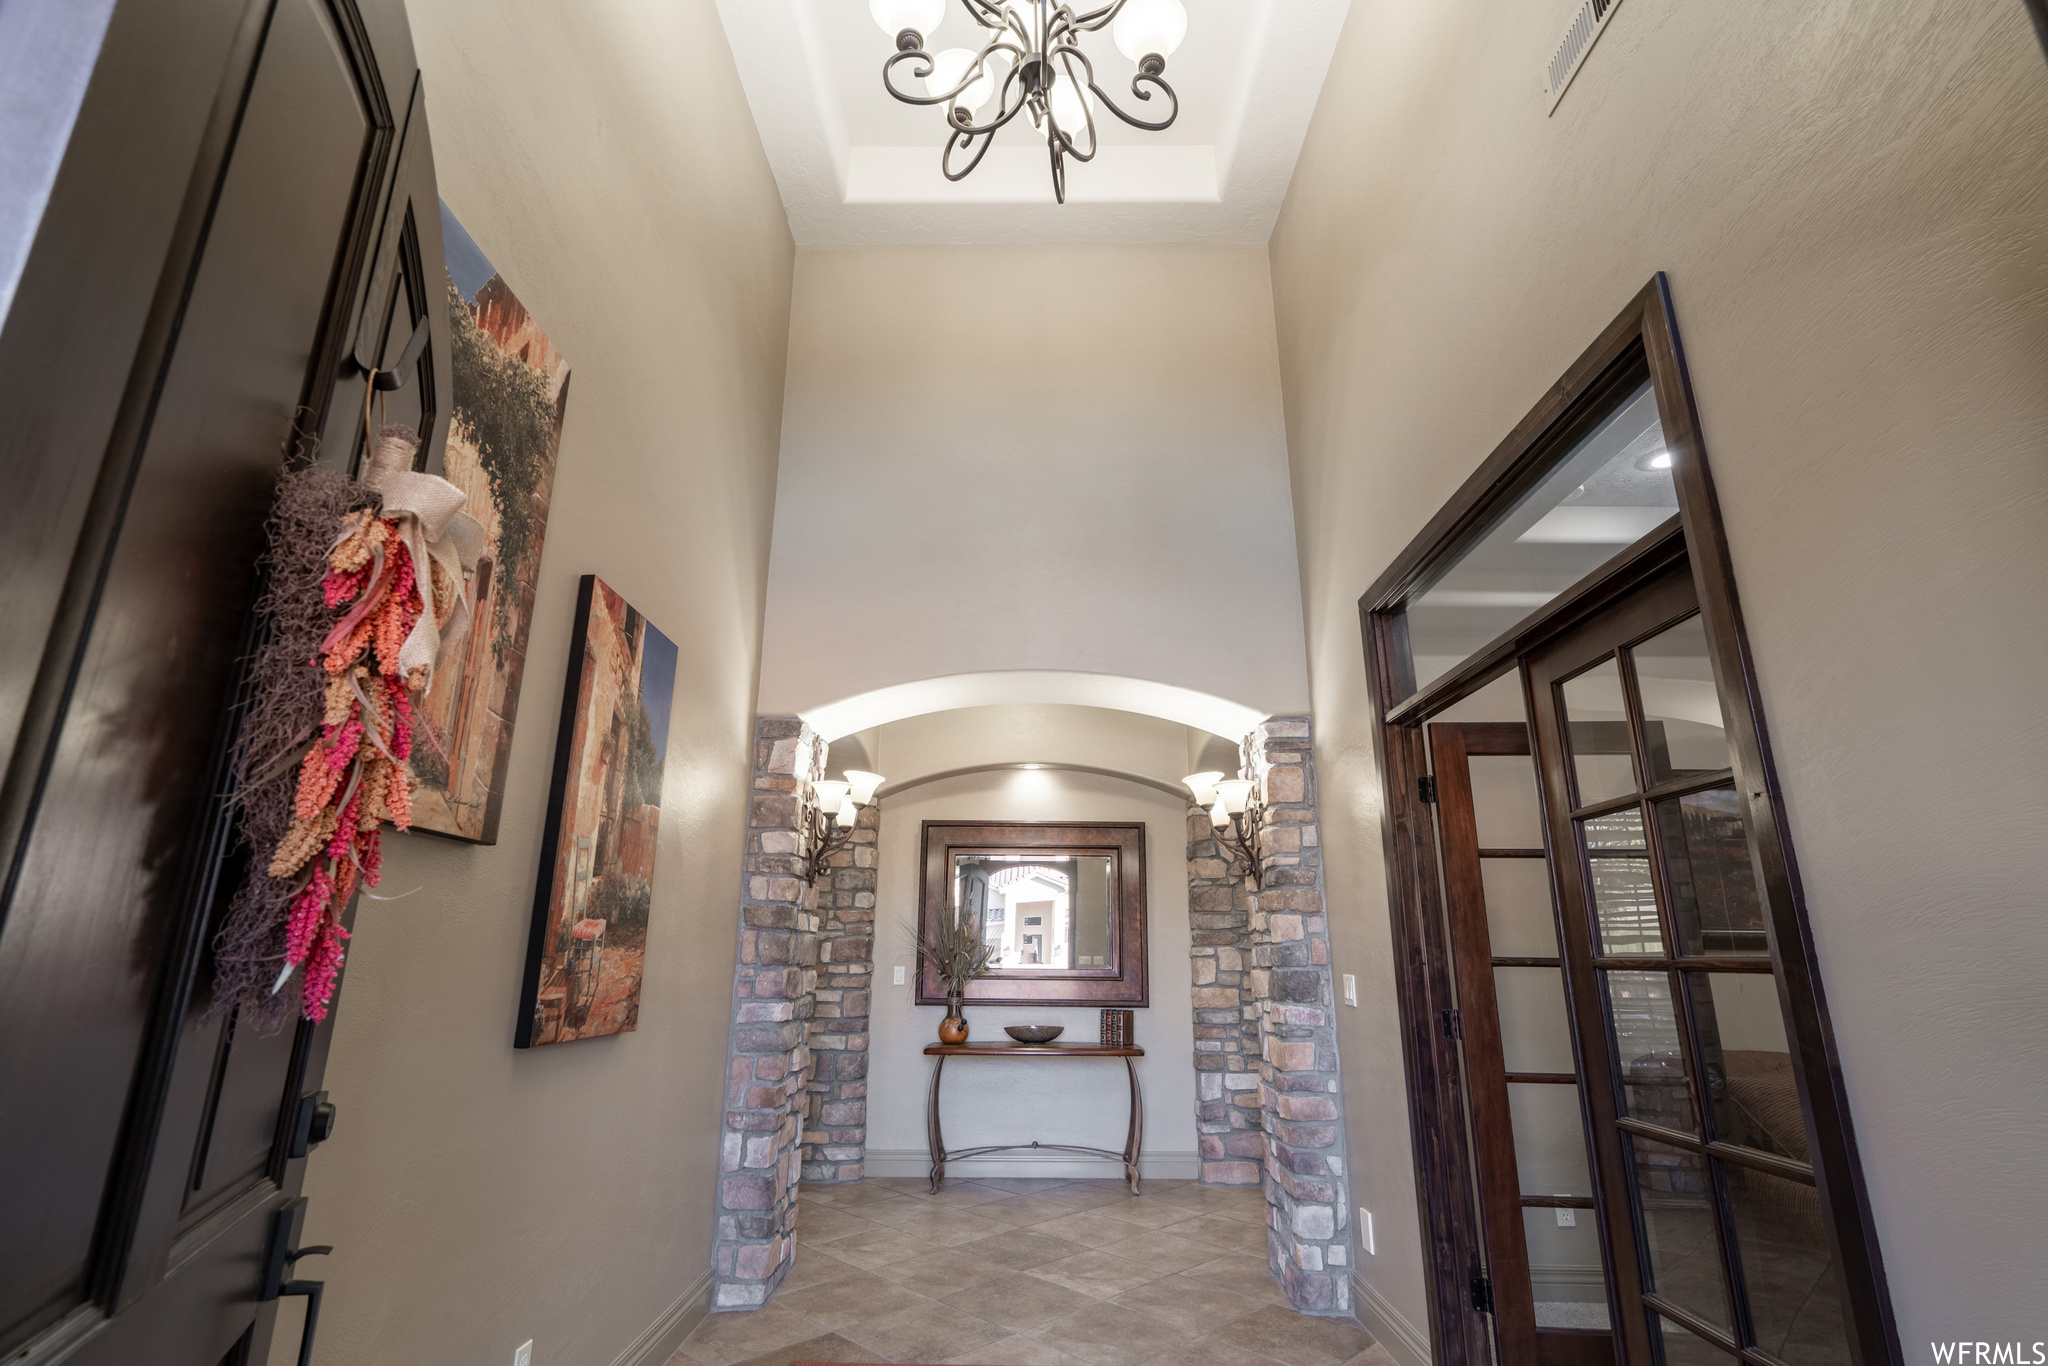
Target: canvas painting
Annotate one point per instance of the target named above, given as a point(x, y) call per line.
point(604, 810)
point(511, 388)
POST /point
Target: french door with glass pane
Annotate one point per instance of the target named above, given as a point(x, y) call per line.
point(1701, 1143)
point(1521, 1079)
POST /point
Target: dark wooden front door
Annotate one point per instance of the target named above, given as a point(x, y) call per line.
point(246, 199)
point(1521, 1078)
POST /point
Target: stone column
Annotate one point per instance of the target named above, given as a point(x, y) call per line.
point(1229, 1122)
point(1308, 1231)
point(835, 1131)
point(774, 996)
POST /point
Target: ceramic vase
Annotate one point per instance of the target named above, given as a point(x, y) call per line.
point(953, 1029)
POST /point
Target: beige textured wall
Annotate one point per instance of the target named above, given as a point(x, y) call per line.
point(1033, 457)
point(478, 1196)
point(1852, 201)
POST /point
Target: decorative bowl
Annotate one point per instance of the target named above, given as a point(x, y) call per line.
point(1034, 1033)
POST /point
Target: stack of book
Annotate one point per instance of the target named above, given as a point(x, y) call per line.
point(1120, 1028)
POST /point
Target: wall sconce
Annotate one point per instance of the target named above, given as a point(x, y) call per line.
point(1238, 816)
point(831, 815)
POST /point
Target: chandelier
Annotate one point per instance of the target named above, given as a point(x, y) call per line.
point(1031, 64)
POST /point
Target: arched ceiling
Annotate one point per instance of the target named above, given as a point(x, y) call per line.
point(1217, 715)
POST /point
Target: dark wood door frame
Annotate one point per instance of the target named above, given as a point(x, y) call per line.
point(1642, 341)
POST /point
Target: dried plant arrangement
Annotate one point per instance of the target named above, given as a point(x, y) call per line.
point(365, 588)
point(959, 956)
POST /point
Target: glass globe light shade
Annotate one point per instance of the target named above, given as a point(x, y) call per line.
point(848, 816)
point(948, 69)
point(1234, 793)
point(894, 16)
point(864, 785)
point(1218, 817)
point(1069, 105)
point(1149, 28)
point(1203, 786)
point(830, 794)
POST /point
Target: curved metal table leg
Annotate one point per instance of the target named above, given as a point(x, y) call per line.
point(1136, 1136)
point(934, 1137)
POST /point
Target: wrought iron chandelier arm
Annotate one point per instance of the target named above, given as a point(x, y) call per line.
point(1095, 20)
point(1005, 111)
point(1070, 56)
point(1138, 82)
point(912, 54)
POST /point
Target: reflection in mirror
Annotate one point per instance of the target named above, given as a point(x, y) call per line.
point(1611, 489)
point(1644, 1021)
point(1792, 1303)
point(1714, 903)
point(1596, 724)
point(1036, 912)
point(1748, 1064)
point(1682, 727)
point(1678, 1229)
point(1624, 907)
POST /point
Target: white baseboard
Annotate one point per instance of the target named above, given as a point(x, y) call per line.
point(665, 1334)
point(1161, 1166)
point(1406, 1343)
point(1560, 1281)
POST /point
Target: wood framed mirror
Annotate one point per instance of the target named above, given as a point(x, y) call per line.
point(1063, 903)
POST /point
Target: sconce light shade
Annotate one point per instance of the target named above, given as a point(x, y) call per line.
point(863, 785)
point(1218, 817)
point(830, 794)
point(847, 816)
point(1203, 785)
point(894, 16)
point(1234, 793)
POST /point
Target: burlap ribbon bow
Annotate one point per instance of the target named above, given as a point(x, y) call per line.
point(428, 512)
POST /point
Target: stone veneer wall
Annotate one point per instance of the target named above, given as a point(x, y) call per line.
point(781, 1015)
point(835, 1127)
point(1268, 1107)
point(1230, 1127)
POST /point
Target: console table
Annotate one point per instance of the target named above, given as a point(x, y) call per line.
point(937, 1139)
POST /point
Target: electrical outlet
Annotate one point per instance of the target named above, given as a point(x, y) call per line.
point(524, 1356)
point(1365, 1231)
point(1567, 1218)
point(899, 976)
point(1350, 990)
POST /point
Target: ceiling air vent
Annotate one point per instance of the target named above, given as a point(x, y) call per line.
point(1570, 53)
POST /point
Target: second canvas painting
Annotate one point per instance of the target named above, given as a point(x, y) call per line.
point(596, 879)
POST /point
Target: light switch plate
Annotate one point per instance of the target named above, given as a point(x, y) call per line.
point(899, 976)
point(1350, 990)
point(1365, 1231)
point(524, 1356)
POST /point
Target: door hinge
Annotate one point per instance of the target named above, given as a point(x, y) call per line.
point(1482, 1293)
point(1454, 1024)
point(1426, 786)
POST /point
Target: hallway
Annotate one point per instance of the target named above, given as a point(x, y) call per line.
point(1438, 651)
point(1024, 1272)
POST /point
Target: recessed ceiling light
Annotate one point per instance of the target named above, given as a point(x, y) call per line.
point(1659, 461)
point(1034, 765)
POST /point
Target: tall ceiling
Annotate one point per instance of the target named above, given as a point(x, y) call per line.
point(857, 166)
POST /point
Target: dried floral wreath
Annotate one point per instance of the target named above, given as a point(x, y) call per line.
point(367, 590)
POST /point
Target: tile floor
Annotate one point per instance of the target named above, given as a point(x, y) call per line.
point(1029, 1273)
